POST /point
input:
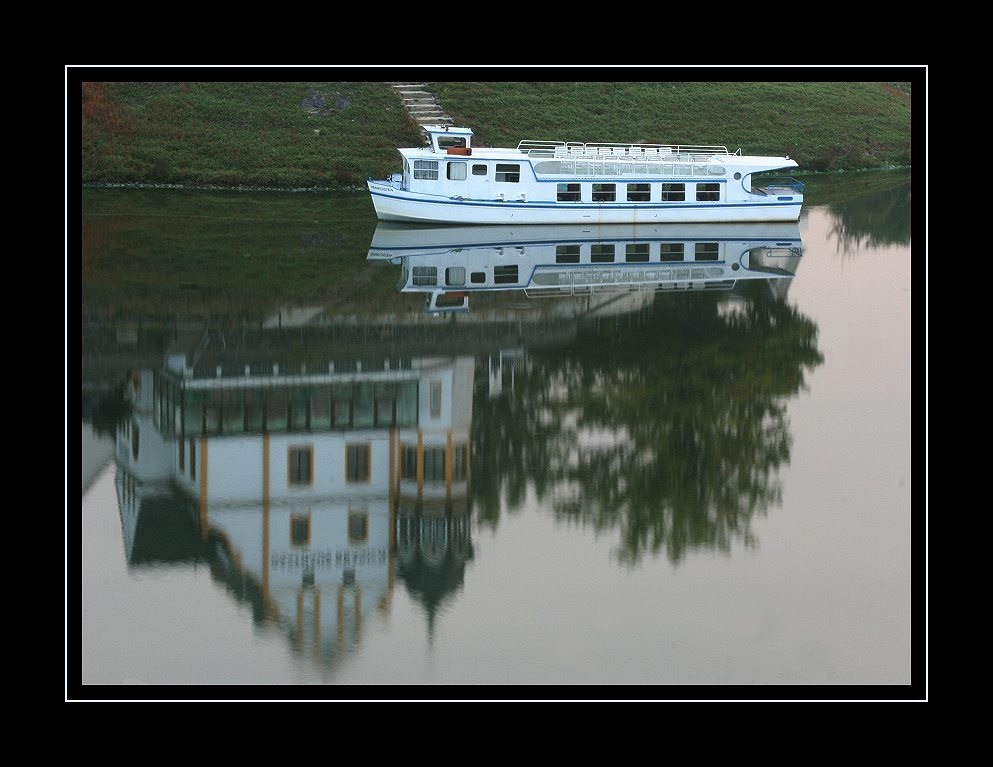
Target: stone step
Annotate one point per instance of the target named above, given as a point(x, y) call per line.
point(422, 105)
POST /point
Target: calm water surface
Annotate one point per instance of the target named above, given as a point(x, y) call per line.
point(295, 475)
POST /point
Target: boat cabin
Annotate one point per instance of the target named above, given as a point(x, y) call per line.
point(446, 139)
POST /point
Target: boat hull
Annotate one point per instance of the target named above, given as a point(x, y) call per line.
point(397, 205)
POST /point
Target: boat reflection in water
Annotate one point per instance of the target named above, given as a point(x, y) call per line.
point(313, 467)
point(450, 264)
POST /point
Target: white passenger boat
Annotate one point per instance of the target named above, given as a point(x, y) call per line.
point(556, 182)
point(449, 264)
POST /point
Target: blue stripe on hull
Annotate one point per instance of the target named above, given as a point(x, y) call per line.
point(398, 208)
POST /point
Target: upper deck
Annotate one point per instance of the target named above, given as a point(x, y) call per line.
point(578, 159)
point(621, 152)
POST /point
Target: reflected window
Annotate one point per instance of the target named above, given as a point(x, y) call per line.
point(276, 410)
point(435, 399)
point(363, 405)
point(434, 464)
point(707, 251)
point(566, 254)
point(193, 412)
point(477, 278)
point(193, 459)
point(455, 275)
point(602, 253)
point(406, 410)
point(300, 469)
point(212, 411)
point(357, 459)
point(320, 407)
point(460, 462)
point(232, 412)
point(299, 398)
point(504, 275)
point(254, 409)
point(671, 251)
point(300, 529)
point(408, 462)
point(636, 252)
point(425, 275)
point(358, 526)
point(342, 398)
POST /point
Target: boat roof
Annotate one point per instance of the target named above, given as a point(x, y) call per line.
point(536, 150)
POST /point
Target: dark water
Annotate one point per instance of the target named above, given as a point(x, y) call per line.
point(293, 475)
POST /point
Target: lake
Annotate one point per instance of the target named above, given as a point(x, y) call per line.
point(322, 460)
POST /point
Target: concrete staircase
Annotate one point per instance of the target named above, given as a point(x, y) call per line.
point(421, 105)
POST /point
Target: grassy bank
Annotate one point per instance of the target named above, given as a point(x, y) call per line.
point(334, 135)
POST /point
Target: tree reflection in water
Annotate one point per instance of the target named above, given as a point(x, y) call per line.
point(669, 428)
point(878, 216)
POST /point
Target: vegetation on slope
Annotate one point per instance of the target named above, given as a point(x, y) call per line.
point(334, 135)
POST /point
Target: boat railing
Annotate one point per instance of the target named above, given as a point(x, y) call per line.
point(632, 152)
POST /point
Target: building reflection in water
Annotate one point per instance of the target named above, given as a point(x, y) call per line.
point(312, 467)
point(304, 489)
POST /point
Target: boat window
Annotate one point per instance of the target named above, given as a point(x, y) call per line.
point(426, 169)
point(455, 275)
point(425, 275)
point(509, 173)
point(446, 141)
point(569, 193)
point(479, 170)
point(602, 253)
point(639, 192)
point(505, 274)
point(604, 192)
point(636, 252)
point(673, 192)
point(707, 251)
point(671, 251)
point(708, 192)
point(457, 171)
point(566, 254)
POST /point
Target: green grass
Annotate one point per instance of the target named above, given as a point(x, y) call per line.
point(169, 252)
point(334, 135)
